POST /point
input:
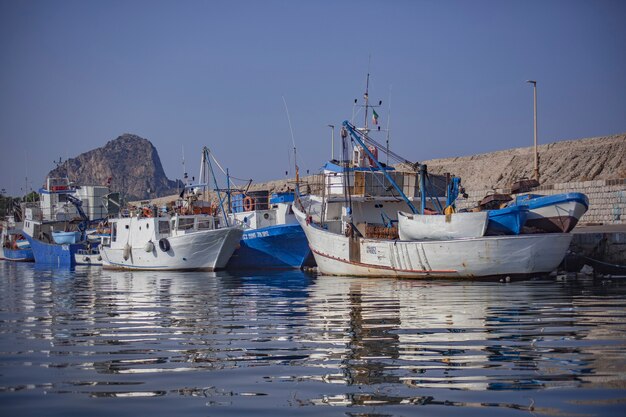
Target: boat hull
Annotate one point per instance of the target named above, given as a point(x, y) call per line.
point(556, 213)
point(88, 257)
point(206, 250)
point(441, 226)
point(54, 254)
point(521, 255)
point(18, 255)
point(274, 247)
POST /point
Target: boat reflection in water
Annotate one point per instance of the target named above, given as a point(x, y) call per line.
point(286, 342)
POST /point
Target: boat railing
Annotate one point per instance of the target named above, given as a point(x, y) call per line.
point(205, 223)
point(365, 184)
point(333, 226)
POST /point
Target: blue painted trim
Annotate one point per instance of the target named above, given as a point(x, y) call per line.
point(534, 201)
point(281, 198)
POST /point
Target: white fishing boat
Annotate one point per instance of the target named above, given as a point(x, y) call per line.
point(346, 240)
point(353, 255)
point(442, 226)
point(169, 242)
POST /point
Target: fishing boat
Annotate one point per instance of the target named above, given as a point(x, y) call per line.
point(272, 237)
point(342, 245)
point(441, 226)
point(558, 213)
point(338, 254)
point(55, 227)
point(14, 245)
point(169, 242)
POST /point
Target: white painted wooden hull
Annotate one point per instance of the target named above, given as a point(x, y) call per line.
point(441, 226)
point(202, 250)
point(337, 254)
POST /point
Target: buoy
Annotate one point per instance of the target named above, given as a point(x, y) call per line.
point(164, 244)
point(248, 203)
point(126, 252)
point(149, 247)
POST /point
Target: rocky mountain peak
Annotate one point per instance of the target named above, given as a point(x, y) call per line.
point(130, 164)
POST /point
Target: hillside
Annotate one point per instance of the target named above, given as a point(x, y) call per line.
point(600, 158)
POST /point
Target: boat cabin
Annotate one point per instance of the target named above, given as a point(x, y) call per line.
point(136, 231)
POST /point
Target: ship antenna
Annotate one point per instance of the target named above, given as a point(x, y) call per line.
point(293, 141)
point(388, 119)
point(366, 96)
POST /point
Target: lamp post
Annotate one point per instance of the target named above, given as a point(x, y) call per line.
point(332, 142)
point(536, 169)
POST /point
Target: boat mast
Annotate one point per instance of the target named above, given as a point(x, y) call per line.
point(356, 135)
point(366, 96)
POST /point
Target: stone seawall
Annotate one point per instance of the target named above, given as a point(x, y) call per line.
point(607, 198)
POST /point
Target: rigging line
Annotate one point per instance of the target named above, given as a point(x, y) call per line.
point(293, 141)
point(388, 121)
point(368, 140)
point(223, 171)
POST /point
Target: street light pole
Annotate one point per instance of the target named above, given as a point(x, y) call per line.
point(332, 142)
point(536, 169)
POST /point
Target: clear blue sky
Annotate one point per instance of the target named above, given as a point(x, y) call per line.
point(76, 74)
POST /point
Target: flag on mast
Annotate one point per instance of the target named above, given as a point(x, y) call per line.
point(374, 117)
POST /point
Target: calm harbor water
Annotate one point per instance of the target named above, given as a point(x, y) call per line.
point(91, 342)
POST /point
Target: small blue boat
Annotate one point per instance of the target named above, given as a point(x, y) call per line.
point(65, 237)
point(18, 255)
point(507, 221)
point(13, 245)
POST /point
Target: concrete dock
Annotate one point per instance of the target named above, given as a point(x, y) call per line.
point(603, 247)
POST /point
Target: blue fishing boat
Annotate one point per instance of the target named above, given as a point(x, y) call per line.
point(60, 255)
point(55, 227)
point(272, 238)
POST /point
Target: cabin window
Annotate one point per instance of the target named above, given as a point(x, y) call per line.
point(113, 232)
point(205, 223)
point(164, 226)
point(147, 225)
point(185, 223)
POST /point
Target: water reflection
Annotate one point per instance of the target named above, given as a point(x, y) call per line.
point(288, 339)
